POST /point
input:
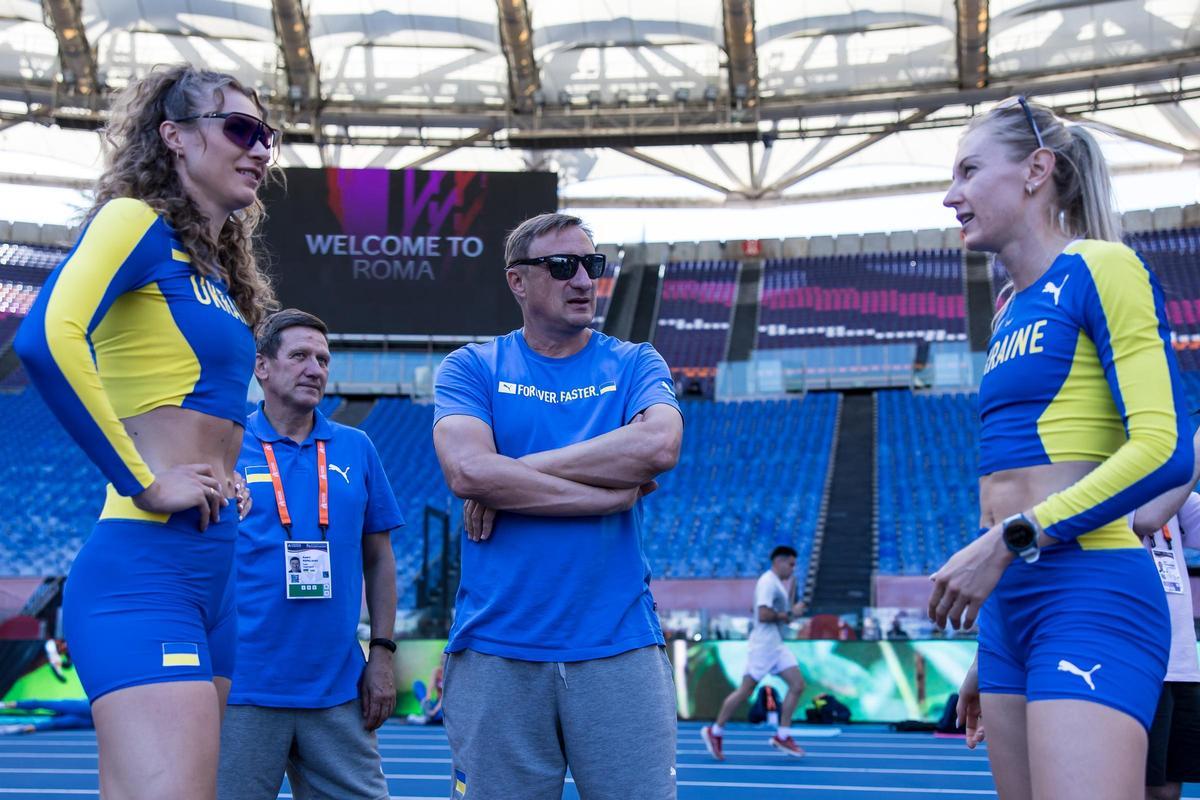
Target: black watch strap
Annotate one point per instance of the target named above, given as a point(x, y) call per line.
point(386, 643)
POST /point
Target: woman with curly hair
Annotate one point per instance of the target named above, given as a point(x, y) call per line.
point(141, 343)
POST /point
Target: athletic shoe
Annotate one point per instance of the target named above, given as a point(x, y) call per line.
point(788, 746)
point(8, 730)
point(54, 660)
point(712, 742)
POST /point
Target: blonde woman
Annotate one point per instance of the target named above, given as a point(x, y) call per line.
point(141, 344)
point(1082, 421)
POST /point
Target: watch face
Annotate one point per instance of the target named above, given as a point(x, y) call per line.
point(1019, 534)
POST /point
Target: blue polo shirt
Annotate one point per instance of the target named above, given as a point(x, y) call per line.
point(305, 653)
point(554, 588)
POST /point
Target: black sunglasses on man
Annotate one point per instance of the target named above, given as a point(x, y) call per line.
point(562, 266)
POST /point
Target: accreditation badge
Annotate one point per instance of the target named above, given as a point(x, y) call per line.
point(307, 574)
point(1168, 570)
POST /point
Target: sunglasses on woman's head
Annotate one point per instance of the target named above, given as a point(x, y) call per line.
point(241, 129)
point(1020, 100)
point(563, 266)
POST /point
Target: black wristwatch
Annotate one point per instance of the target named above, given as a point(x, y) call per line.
point(385, 643)
point(1021, 537)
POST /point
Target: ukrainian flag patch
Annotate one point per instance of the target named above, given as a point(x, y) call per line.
point(258, 474)
point(609, 386)
point(180, 654)
point(460, 784)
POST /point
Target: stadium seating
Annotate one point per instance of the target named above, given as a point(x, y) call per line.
point(56, 489)
point(927, 491)
point(23, 270)
point(1174, 255)
point(751, 475)
point(604, 290)
point(862, 299)
point(694, 315)
point(52, 491)
point(33, 259)
point(403, 434)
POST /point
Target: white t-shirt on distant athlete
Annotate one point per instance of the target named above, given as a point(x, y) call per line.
point(769, 592)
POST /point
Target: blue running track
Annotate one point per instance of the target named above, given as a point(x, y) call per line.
point(862, 763)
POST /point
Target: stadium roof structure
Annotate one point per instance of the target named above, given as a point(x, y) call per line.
point(650, 103)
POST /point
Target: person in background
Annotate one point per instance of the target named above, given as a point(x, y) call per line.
point(1168, 524)
point(767, 655)
point(303, 700)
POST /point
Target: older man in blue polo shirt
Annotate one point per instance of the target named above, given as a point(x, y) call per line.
point(302, 698)
point(552, 434)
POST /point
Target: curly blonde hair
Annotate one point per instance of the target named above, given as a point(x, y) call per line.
point(141, 166)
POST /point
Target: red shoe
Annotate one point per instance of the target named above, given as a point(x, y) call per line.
point(788, 746)
point(712, 742)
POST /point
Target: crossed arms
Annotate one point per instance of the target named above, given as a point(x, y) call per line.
point(603, 475)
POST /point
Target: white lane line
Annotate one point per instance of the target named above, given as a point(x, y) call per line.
point(47, 755)
point(817, 744)
point(758, 753)
point(825, 787)
point(58, 771)
point(842, 770)
point(810, 746)
point(96, 793)
point(34, 741)
point(765, 753)
point(741, 767)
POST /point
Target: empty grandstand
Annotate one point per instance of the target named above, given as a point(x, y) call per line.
point(752, 473)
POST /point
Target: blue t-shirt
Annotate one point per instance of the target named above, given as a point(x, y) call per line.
point(554, 588)
point(305, 653)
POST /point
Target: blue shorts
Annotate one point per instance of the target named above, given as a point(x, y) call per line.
point(1078, 625)
point(149, 602)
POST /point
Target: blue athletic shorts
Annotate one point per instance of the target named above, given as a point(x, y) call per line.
point(1078, 625)
point(149, 602)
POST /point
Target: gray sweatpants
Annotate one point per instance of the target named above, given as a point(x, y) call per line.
point(327, 753)
point(515, 727)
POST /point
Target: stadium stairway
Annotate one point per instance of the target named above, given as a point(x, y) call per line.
point(618, 317)
point(744, 330)
point(645, 311)
point(843, 577)
point(9, 363)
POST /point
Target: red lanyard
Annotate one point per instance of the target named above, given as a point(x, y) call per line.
point(1167, 534)
point(322, 489)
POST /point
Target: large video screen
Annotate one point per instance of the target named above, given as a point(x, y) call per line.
point(401, 251)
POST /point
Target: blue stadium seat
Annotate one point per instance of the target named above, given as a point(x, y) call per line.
point(928, 497)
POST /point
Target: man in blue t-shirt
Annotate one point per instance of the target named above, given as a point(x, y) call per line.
point(552, 434)
point(302, 698)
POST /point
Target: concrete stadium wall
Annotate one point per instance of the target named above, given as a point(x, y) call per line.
point(735, 249)
point(717, 595)
point(848, 244)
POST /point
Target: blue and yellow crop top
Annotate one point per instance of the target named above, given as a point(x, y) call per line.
point(1080, 368)
point(125, 325)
